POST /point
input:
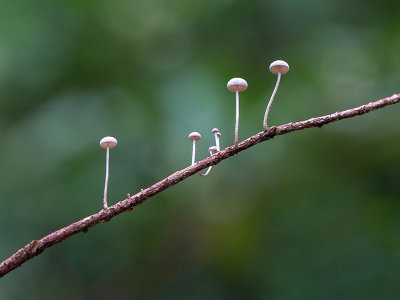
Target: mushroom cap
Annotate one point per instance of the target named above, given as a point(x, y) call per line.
point(215, 130)
point(213, 149)
point(237, 85)
point(194, 136)
point(108, 142)
point(279, 66)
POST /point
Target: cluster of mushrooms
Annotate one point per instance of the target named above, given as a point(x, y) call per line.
point(236, 85)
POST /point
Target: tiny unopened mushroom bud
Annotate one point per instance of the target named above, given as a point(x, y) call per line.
point(213, 150)
point(194, 136)
point(107, 143)
point(278, 67)
point(217, 135)
point(237, 85)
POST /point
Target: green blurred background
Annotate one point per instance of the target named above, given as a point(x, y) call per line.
point(310, 215)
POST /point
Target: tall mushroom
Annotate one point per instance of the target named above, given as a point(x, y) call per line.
point(278, 67)
point(237, 85)
point(107, 143)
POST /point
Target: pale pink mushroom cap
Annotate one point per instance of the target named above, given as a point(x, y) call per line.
point(108, 142)
point(237, 85)
point(279, 66)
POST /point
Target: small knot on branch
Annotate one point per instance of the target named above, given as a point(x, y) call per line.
point(363, 110)
point(32, 246)
point(270, 131)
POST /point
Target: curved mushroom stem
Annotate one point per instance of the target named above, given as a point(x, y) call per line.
point(237, 120)
point(194, 152)
point(206, 173)
point(208, 170)
point(106, 181)
point(270, 101)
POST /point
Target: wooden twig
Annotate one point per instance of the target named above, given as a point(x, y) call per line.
point(38, 246)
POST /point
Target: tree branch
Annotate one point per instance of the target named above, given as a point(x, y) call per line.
point(38, 246)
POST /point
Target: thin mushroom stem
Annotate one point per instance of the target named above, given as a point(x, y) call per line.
point(206, 173)
point(217, 141)
point(271, 100)
point(193, 152)
point(106, 181)
point(237, 120)
point(212, 151)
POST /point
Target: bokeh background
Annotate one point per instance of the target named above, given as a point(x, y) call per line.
point(310, 215)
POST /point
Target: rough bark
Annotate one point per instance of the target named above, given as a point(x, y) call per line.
point(38, 246)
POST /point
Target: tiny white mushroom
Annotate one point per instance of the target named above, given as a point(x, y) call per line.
point(278, 67)
point(194, 136)
point(237, 85)
point(107, 143)
point(217, 135)
point(213, 150)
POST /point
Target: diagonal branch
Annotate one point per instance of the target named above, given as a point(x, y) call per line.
point(38, 246)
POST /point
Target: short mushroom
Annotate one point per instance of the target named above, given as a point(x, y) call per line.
point(213, 150)
point(194, 136)
point(107, 143)
point(237, 85)
point(217, 135)
point(278, 67)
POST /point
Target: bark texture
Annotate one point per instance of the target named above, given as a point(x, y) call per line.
point(38, 246)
